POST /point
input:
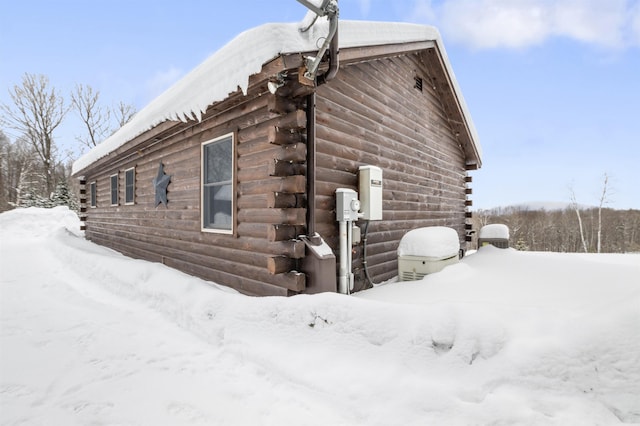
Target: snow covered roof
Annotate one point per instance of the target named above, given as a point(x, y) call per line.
point(230, 68)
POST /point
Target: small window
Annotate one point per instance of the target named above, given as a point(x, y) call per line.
point(217, 185)
point(114, 190)
point(92, 194)
point(129, 185)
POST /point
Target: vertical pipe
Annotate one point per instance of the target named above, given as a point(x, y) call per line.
point(311, 165)
point(334, 61)
point(343, 280)
point(349, 264)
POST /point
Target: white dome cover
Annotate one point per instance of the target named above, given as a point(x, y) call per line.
point(434, 242)
point(494, 231)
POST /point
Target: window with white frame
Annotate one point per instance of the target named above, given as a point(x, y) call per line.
point(129, 185)
point(114, 190)
point(217, 184)
point(93, 197)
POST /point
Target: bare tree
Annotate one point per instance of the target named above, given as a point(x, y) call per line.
point(603, 201)
point(21, 171)
point(37, 111)
point(95, 117)
point(555, 230)
point(99, 121)
point(124, 113)
point(5, 153)
point(576, 208)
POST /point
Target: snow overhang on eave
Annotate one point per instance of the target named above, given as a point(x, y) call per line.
point(229, 70)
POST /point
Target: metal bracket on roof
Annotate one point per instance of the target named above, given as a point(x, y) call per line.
point(318, 10)
point(328, 8)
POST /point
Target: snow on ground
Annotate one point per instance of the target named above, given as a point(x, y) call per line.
point(88, 336)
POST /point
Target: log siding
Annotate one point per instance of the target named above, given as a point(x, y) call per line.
point(372, 113)
point(253, 259)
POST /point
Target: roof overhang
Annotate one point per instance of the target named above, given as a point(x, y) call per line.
point(262, 51)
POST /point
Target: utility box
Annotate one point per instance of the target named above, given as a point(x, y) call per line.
point(427, 250)
point(495, 234)
point(347, 205)
point(370, 186)
point(319, 265)
point(415, 268)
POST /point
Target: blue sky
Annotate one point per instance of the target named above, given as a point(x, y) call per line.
point(553, 86)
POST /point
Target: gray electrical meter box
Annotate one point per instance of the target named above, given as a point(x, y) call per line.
point(347, 205)
point(370, 186)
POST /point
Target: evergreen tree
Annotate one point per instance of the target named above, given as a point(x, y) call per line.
point(63, 196)
point(27, 197)
point(521, 245)
point(28, 194)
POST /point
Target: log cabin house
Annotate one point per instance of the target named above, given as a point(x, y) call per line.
point(231, 174)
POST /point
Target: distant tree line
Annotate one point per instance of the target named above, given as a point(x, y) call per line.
point(33, 171)
point(598, 229)
point(23, 178)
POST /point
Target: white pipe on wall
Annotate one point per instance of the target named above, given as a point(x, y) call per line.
point(343, 280)
point(347, 208)
point(349, 257)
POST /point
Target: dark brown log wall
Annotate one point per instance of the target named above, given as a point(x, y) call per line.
point(373, 113)
point(259, 258)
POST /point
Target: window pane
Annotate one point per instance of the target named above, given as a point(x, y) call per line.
point(114, 190)
point(218, 206)
point(129, 186)
point(217, 190)
point(129, 194)
point(93, 194)
point(218, 158)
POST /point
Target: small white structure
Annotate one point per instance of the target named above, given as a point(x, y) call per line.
point(427, 250)
point(495, 234)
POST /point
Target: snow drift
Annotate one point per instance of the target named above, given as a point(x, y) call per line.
point(89, 336)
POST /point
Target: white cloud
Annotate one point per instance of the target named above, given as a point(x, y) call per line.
point(495, 23)
point(522, 23)
point(423, 11)
point(599, 22)
point(634, 24)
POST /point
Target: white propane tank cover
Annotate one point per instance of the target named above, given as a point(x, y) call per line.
point(436, 242)
point(494, 231)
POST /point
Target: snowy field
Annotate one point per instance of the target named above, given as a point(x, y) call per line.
point(90, 337)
